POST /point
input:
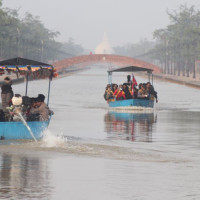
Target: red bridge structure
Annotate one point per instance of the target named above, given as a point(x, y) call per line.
point(113, 60)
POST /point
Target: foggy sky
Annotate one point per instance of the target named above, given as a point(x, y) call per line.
point(125, 21)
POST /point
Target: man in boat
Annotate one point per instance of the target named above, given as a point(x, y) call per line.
point(135, 92)
point(142, 93)
point(151, 92)
point(40, 108)
point(115, 88)
point(108, 95)
point(129, 82)
point(119, 94)
point(126, 91)
point(6, 95)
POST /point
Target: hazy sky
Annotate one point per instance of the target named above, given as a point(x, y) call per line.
point(125, 21)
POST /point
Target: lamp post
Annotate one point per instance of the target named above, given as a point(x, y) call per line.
point(18, 34)
point(42, 49)
point(166, 57)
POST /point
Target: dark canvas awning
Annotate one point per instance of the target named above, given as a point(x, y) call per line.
point(132, 69)
point(22, 61)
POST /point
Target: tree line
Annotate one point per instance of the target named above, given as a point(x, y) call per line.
point(177, 47)
point(29, 38)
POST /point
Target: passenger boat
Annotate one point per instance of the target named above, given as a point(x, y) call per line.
point(29, 69)
point(132, 104)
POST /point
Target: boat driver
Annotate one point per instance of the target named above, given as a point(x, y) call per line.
point(40, 108)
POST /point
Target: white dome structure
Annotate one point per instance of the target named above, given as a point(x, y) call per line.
point(104, 47)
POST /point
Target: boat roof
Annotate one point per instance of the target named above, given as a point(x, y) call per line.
point(22, 61)
point(132, 69)
point(23, 66)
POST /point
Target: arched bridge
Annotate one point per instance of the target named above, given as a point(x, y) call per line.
point(115, 60)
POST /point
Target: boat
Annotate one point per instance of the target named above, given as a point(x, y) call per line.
point(29, 69)
point(132, 104)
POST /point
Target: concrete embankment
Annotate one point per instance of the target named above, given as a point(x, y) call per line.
point(183, 80)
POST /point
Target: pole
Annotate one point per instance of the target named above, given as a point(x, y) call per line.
point(152, 79)
point(26, 84)
point(18, 42)
point(148, 76)
point(49, 91)
point(42, 49)
point(50, 79)
point(110, 78)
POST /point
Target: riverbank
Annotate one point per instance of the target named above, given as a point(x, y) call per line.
point(183, 80)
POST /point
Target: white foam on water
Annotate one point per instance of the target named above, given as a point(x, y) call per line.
point(132, 109)
point(50, 140)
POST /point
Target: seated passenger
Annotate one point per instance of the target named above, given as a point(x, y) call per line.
point(151, 92)
point(135, 93)
point(120, 95)
point(115, 89)
point(126, 91)
point(26, 105)
point(108, 85)
point(130, 90)
point(40, 109)
point(108, 96)
point(32, 117)
point(142, 93)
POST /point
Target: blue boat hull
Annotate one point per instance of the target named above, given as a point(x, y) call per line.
point(141, 103)
point(17, 130)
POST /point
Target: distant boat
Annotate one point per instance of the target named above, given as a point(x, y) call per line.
point(25, 67)
point(131, 104)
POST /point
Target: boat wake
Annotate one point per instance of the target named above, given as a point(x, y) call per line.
point(51, 140)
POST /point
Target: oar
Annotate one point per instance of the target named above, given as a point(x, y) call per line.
point(27, 126)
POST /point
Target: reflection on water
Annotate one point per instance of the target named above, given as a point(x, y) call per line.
point(130, 126)
point(22, 177)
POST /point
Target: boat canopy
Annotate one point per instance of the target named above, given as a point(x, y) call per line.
point(22, 66)
point(131, 69)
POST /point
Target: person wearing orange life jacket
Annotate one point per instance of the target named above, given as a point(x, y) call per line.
point(120, 94)
point(116, 89)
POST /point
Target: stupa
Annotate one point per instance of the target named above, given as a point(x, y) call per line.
point(104, 47)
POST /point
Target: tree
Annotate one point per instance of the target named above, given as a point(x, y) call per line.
point(180, 40)
point(28, 37)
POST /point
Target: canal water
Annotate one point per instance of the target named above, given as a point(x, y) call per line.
point(91, 152)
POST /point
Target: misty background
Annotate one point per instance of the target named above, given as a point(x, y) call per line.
point(165, 33)
point(125, 21)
